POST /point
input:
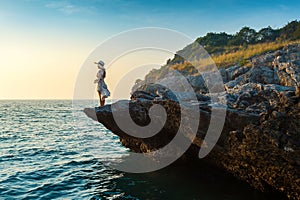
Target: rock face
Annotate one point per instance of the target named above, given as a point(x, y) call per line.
point(260, 140)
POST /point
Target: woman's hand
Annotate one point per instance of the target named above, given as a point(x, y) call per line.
point(96, 81)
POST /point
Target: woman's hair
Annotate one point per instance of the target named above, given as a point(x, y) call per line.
point(104, 73)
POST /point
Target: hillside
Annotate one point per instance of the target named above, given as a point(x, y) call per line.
point(227, 50)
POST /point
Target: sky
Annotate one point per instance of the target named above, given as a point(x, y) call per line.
point(43, 43)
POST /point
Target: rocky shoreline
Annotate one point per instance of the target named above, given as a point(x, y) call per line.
point(260, 140)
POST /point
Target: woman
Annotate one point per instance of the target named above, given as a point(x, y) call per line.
point(103, 92)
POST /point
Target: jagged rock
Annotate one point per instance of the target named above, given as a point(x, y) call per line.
point(197, 82)
point(260, 140)
point(231, 73)
point(242, 79)
point(263, 75)
point(142, 95)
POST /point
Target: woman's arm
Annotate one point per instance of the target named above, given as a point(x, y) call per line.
point(98, 77)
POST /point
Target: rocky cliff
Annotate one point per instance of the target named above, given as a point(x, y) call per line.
point(260, 140)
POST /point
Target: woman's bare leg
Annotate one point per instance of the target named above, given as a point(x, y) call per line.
point(99, 93)
point(102, 101)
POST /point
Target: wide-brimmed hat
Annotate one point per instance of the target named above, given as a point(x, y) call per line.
point(101, 63)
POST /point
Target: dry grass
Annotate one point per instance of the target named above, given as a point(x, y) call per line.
point(242, 55)
point(233, 56)
point(186, 66)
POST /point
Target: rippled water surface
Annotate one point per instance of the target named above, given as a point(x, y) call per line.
point(50, 151)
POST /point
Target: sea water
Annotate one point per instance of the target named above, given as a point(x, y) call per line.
point(49, 149)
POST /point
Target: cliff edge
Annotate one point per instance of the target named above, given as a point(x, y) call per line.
point(260, 140)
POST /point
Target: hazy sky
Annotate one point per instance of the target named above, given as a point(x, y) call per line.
point(44, 43)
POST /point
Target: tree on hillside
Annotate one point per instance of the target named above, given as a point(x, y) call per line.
point(246, 35)
point(296, 34)
point(214, 39)
point(290, 30)
point(220, 43)
point(267, 35)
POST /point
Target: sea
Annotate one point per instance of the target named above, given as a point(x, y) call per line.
point(49, 149)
